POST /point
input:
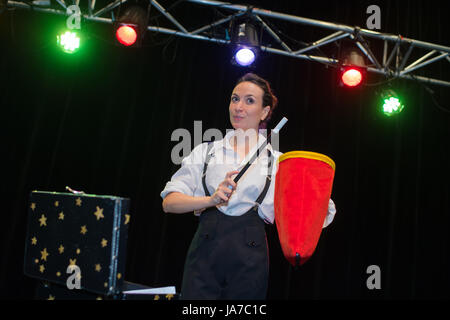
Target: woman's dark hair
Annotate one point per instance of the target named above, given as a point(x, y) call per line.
point(269, 99)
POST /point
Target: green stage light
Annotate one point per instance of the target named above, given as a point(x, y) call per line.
point(392, 104)
point(68, 41)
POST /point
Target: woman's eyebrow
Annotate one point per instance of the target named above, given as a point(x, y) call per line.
point(248, 95)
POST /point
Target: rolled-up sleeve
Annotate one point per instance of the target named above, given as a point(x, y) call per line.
point(330, 214)
point(187, 178)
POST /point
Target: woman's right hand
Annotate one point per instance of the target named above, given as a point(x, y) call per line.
point(223, 191)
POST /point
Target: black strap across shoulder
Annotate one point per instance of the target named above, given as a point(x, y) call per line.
point(263, 193)
point(205, 166)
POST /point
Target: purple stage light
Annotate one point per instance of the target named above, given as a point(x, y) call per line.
point(245, 57)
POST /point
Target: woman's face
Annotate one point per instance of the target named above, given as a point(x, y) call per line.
point(246, 106)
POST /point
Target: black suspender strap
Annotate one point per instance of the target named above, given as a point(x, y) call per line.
point(205, 166)
point(261, 197)
point(268, 179)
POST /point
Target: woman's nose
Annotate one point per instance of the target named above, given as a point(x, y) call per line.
point(238, 106)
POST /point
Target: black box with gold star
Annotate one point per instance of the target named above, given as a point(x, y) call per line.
point(51, 291)
point(77, 240)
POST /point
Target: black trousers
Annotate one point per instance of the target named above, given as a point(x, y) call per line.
point(227, 259)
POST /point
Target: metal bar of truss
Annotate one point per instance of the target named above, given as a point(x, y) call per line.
point(365, 49)
point(420, 60)
point(22, 5)
point(218, 22)
point(323, 24)
point(397, 60)
point(168, 15)
point(394, 50)
point(186, 35)
point(385, 48)
point(109, 7)
point(62, 3)
point(405, 58)
point(331, 38)
point(300, 56)
point(91, 6)
point(443, 55)
point(278, 15)
point(272, 33)
point(414, 77)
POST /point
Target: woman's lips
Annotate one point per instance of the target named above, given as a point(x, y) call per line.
point(237, 118)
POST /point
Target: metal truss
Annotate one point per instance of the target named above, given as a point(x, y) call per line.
point(392, 62)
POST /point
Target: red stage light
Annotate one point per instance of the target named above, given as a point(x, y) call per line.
point(126, 35)
point(352, 77)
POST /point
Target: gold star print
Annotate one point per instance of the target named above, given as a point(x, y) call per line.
point(50, 297)
point(156, 297)
point(41, 268)
point(78, 202)
point(119, 275)
point(99, 298)
point(61, 249)
point(72, 264)
point(83, 230)
point(61, 216)
point(169, 296)
point(33, 241)
point(44, 254)
point(33, 206)
point(104, 243)
point(78, 251)
point(105, 284)
point(58, 274)
point(127, 218)
point(98, 267)
point(99, 213)
point(56, 203)
point(36, 261)
point(43, 221)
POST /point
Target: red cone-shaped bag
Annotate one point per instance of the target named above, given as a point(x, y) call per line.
point(302, 191)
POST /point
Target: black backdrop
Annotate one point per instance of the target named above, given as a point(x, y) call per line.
point(101, 121)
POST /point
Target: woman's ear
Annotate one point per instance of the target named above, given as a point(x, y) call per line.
point(266, 111)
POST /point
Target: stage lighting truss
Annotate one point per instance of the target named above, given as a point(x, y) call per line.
point(393, 61)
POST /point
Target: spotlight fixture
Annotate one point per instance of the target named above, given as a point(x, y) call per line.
point(130, 27)
point(127, 34)
point(392, 103)
point(245, 43)
point(68, 41)
point(353, 69)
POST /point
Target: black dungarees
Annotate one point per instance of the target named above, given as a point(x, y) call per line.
point(228, 257)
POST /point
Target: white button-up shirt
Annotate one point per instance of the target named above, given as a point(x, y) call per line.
point(188, 179)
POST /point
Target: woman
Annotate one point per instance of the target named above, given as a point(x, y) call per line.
point(228, 257)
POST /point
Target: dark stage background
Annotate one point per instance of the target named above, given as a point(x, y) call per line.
point(101, 121)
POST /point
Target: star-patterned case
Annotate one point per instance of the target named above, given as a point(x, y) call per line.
point(51, 291)
point(77, 240)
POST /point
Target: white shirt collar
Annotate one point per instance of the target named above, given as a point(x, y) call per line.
point(225, 143)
